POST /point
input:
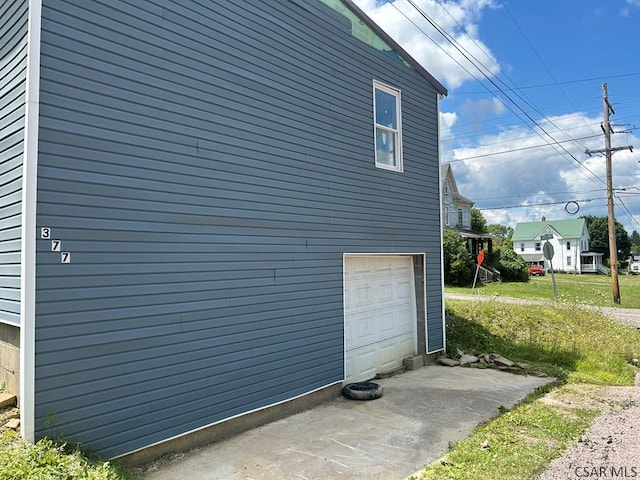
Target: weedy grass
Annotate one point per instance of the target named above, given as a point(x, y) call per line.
point(47, 460)
point(581, 289)
point(580, 347)
point(571, 343)
point(517, 445)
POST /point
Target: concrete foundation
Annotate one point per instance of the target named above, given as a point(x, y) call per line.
point(10, 358)
point(413, 363)
point(229, 428)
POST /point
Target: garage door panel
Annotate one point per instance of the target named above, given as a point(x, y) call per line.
point(388, 354)
point(384, 292)
point(362, 330)
point(403, 320)
point(380, 314)
point(407, 346)
point(361, 364)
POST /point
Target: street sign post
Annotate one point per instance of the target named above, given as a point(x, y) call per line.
point(547, 251)
point(479, 260)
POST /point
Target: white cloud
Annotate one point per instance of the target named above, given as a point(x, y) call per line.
point(528, 174)
point(626, 11)
point(459, 18)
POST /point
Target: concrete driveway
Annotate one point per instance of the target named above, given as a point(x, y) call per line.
point(412, 425)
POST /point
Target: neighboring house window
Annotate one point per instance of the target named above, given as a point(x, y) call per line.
point(446, 216)
point(522, 247)
point(568, 245)
point(460, 217)
point(388, 123)
point(568, 261)
point(537, 246)
point(446, 189)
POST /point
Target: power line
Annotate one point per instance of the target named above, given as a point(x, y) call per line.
point(518, 149)
point(546, 193)
point(541, 204)
point(567, 82)
point(539, 57)
point(478, 66)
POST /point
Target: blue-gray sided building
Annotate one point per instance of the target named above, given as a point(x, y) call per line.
point(209, 209)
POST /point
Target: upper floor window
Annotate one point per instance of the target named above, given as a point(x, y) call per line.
point(446, 216)
point(460, 217)
point(522, 247)
point(538, 247)
point(568, 245)
point(388, 123)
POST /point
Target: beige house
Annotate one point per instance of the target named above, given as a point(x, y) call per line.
point(456, 213)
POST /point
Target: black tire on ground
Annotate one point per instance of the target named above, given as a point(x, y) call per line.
point(362, 391)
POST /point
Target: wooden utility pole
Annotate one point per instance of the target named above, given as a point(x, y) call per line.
point(608, 151)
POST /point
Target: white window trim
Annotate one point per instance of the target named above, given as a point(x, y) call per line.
point(398, 167)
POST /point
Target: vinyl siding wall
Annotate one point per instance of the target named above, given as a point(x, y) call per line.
point(207, 164)
point(13, 61)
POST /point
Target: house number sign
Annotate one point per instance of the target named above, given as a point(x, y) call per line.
point(56, 245)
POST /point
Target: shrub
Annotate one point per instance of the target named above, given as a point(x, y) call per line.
point(512, 267)
point(458, 264)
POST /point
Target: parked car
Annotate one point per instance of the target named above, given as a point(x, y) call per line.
point(536, 270)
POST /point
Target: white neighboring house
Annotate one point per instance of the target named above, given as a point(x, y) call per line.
point(456, 213)
point(570, 243)
point(456, 208)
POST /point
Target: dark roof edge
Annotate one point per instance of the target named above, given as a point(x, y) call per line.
point(401, 51)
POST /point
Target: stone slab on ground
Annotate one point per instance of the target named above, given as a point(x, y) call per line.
point(7, 400)
point(448, 362)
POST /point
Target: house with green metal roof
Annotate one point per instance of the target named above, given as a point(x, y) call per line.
point(569, 240)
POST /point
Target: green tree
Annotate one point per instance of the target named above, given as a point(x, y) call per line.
point(599, 237)
point(635, 242)
point(478, 222)
point(458, 264)
point(501, 234)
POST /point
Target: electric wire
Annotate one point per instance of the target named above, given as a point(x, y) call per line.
point(478, 66)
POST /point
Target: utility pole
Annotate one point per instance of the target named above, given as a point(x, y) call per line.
point(608, 151)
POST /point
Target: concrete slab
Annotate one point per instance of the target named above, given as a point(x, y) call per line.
point(420, 414)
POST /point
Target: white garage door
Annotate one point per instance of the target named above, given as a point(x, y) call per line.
point(380, 314)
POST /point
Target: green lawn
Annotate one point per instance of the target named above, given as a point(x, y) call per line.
point(582, 289)
point(582, 348)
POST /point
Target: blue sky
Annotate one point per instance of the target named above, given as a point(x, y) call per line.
point(543, 64)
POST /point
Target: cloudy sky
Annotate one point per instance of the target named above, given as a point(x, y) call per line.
point(525, 99)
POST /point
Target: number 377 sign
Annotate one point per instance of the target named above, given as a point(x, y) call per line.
point(56, 245)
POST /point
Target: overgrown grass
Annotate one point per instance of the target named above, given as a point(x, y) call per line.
point(517, 445)
point(584, 289)
point(566, 341)
point(48, 461)
point(582, 348)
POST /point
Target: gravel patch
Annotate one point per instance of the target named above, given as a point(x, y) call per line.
point(610, 448)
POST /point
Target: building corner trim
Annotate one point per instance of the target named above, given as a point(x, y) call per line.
point(28, 228)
